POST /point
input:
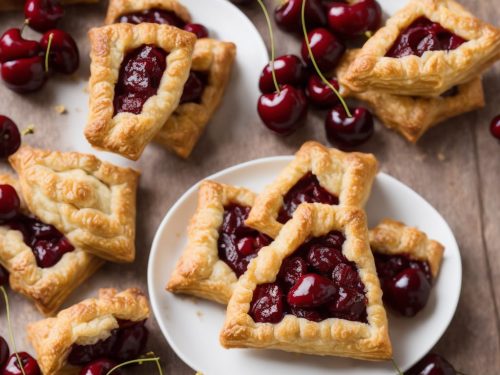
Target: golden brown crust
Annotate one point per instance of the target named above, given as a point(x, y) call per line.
point(84, 323)
point(332, 336)
point(7, 5)
point(436, 71)
point(126, 133)
point(92, 202)
point(117, 8)
point(199, 271)
point(47, 287)
point(412, 116)
point(393, 237)
point(347, 175)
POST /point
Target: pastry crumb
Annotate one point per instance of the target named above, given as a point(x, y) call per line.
point(441, 156)
point(30, 129)
point(60, 109)
point(199, 314)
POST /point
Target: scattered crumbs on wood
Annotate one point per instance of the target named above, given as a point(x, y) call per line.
point(60, 109)
point(30, 129)
point(199, 314)
point(441, 156)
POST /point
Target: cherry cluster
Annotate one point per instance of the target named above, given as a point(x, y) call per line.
point(9, 364)
point(26, 64)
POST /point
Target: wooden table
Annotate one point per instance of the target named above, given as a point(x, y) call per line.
point(455, 166)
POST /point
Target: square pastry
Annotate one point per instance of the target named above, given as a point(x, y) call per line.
point(220, 246)
point(313, 290)
point(412, 116)
point(424, 50)
point(125, 114)
point(90, 201)
point(316, 175)
point(42, 264)
point(110, 326)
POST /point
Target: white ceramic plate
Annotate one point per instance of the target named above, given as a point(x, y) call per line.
point(192, 326)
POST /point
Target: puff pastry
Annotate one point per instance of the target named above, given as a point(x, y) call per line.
point(117, 8)
point(46, 287)
point(412, 116)
point(84, 323)
point(91, 202)
point(200, 271)
point(331, 336)
point(349, 176)
point(126, 133)
point(436, 71)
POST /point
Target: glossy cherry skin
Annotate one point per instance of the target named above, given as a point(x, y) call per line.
point(408, 292)
point(10, 138)
point(349, 131)
point(4, 279)
point(197, 29)
point(24, 75)
point(9, 202)
point(350, 304)
point(267, 304)
point(13, 46)
point(153, 15)
point(4, 347)
point(29, 364)
point(326, 48)
point(63, 55)
point(495, 127)
point(289, 69)
point(432, 364)
point(320, 94)
point(354, 19)
point(324, 259)
point(292, 269)
point(131, 342)
point(100, 367)
point(283, 112)
point(311, 290)
point(312, 315)
point(43, 15)
point(288, 15)
point(193, 88)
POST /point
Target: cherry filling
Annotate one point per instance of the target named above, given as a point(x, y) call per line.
point(140, 75)
point(424, 35)
point(308, 190)
point(406, 283)
point(125, 343)
point(160, 16)
point(237, 243)
point(316, 282)
point(194, 87)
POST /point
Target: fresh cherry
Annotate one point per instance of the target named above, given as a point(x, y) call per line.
point(43, 15)
point(63, 55)
point(193, 88)
point(289, 69)
point(48, 253)
point(432, 364)
point(283, 112)
point(4, 347)
point(24, 75)
point(288, 14)
point(13, 46)
point(9, 202)
point(349, 131)
point(311, 290)
point(131, 342)
point(495, 127)
point(350, 304)
point(10, 138)
point(292, 269)
point(353, 19)
point(408, 291)
point(4, 280)
point(267, 304)
point(100, 367)
point(326, 48)
point(29, 365)
point(197, 29)
point(319, 93)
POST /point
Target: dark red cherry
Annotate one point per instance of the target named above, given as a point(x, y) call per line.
point(24, 75)
point(10, 138)
point(408, 291)
point(312, 315)
point(100, 367)
point(63, 55)
point(283, 112)
point(29, 364)
point(289, 69)
point(197, 29)
point(311, 290)
point(326, 48)
point(131, 342)
point(288, 15)
point(324, 259)
point(495, 127)
point(344, 274)
point(292, 269)
point(350, 304)
point(352, 19)
point(349, 131)
point(4, 280)
point(152, 15)
point(82, 354)
point(432, 364)
point(319, 93)
point(267, 304)
point(13, 46)
point(4, 347)
point(48, 253)
point(43, 15)
point(9, 202)
point(193, 88)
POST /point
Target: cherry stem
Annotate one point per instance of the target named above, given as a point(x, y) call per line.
point(25, 23)
point(313, 60)
point(9, 324)
point(394, 364)
point(270, 28)
point(139, 361)
point(49, 44)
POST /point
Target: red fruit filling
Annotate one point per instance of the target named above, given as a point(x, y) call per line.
point(161, 16)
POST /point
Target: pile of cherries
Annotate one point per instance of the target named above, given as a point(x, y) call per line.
point(24, 67)
point(9, 364)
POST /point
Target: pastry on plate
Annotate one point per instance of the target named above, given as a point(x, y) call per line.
point(42, 263)
point(317, 175)
point(425, 49)
point(219, 246)
point(313, 290)
point(110, 327)
point(125, 114)
point(90, 201)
